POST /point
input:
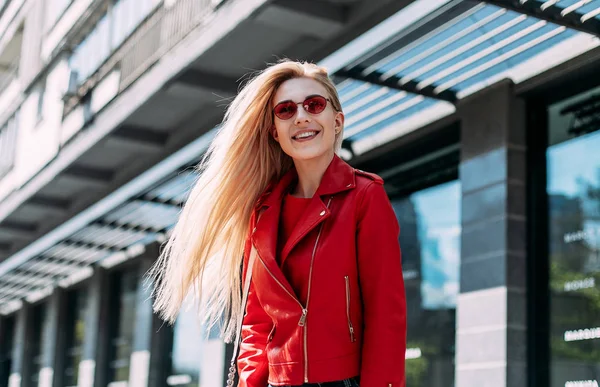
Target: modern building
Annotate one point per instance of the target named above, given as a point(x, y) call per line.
point(482, 117)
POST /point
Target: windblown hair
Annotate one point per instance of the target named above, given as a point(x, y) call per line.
point(204, 252)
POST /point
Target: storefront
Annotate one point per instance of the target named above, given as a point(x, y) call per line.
point(573, 188)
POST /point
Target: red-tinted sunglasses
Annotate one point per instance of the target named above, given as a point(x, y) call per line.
point(313, 104)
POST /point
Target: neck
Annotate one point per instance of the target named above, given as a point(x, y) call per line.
point(310, 174)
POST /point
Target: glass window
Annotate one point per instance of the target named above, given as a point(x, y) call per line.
point(430, 241)
point(107, 35)
point(121, 342)
point(6, 348)
point(187, 349)
point(75, 328)
point(39, 320)
point(573, 162)
point(8, 139)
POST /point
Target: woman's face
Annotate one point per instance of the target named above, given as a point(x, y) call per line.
point(306, 136)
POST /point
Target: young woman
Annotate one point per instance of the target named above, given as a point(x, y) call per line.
point(326, 299)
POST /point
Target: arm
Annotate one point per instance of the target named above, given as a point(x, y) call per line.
point(253, 365)
point(382, 286)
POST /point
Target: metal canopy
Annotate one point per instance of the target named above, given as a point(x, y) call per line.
point(139, 221)
point(394, 82)
point(579, 15)
point(461, 50)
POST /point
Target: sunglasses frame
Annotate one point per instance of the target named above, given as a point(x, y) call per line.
point(327, 100)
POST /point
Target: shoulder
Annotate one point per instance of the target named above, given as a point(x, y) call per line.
point(368, 185)
point(366, 178)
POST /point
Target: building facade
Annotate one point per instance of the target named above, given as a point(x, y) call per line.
point(482, 118)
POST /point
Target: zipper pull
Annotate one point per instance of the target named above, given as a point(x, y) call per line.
point(302, 321)
point(352, 339)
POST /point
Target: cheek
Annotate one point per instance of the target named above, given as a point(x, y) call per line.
point(279, 131)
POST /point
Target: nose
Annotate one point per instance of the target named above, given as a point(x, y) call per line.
point(302, 115)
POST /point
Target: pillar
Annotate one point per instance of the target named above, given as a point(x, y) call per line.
point(491, 310)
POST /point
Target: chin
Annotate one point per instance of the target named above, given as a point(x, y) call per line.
point(309, 154)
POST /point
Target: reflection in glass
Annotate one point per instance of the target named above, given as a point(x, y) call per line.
point(121, 343)
point(430, 241)
point(574, 241)
point(186, 353)
point(75, 328)
point(39, 320)
point(6, 347)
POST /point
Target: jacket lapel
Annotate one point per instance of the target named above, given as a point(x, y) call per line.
point(266, 232)
point(338, 177)
point(316, 212)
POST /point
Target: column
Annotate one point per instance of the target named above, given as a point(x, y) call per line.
point(95, 347)
point(21, 364)
point(139, 370)
point(50, 337)
point(491, 311)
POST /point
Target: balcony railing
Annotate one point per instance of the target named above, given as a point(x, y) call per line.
point(158, 34)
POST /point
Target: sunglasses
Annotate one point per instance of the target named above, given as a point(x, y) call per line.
point(313, 104)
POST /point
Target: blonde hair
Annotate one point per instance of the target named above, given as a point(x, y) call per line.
point(204, 251)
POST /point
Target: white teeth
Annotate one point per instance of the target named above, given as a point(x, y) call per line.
point(306, 134)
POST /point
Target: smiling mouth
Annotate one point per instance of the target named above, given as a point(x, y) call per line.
point(305, 135)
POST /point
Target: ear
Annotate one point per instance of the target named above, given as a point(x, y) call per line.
point(338, 123)
point(274, 133)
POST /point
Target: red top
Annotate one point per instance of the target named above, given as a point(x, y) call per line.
point(291, 210)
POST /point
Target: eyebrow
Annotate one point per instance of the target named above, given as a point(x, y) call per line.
point(305, 98)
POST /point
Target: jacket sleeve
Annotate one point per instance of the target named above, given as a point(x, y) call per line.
point(383, 294)
point(253, 365)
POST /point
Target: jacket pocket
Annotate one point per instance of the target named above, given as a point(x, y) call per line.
point(271, 334)
point(348, 299)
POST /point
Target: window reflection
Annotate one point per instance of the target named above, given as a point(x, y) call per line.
point(121, 343)
point(187, 349)
point(6, 347)
point(574, 240)
point(430, 241)
point(39, 320)
point(77, 309)
point(111, 30)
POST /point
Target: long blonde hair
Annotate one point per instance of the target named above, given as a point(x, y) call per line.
point(204, 251)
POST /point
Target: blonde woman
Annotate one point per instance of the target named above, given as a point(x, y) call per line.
point(325, 295)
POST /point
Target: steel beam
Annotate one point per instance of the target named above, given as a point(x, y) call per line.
point(393, 82)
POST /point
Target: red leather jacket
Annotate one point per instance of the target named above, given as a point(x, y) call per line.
point(350, 317)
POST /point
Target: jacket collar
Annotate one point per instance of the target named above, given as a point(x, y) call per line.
point(338, 177)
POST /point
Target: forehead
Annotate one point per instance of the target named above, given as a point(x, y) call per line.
point(297, 89)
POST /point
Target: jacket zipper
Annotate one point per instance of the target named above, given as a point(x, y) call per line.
point(350, 327)
point(302, 321)
point(312, 259)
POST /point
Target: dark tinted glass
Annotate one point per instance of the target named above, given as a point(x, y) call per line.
point(39, 320)
point(124, 306)
point(77, 308)
point(574, 240)
point(430, 242)
point(7, 333)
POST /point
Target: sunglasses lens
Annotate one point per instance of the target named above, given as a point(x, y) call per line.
point(315, 105)
point(285, 110)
